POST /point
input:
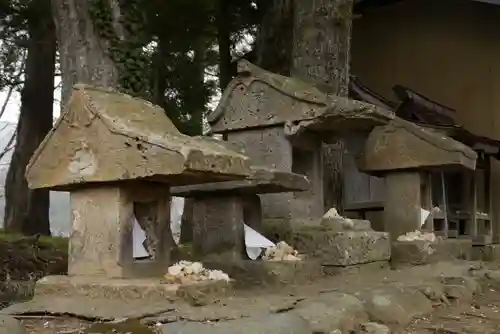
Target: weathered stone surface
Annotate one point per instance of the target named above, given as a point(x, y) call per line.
point(333, 311)
point(493, 278)
point(261, 98)
point(460, 287)
point(395, 305)
point(404, 145)
point(92, 308)
point(402, 203)
point(248, 273)
point(122, 289)
point(286, 323)
point(420, 252)
point(490, 253)
point(220, 209)
point(271, 147)
point(101, 240)
point(374, 328)
point(129, 326)
point(218, 227)
point(343, 224)
point(434, 291)
point(105, 136)
point(343, 248)
point(10, 325)
point(262, 180)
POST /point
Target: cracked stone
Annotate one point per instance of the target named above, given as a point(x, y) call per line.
point(285, 323)
point(333, 311)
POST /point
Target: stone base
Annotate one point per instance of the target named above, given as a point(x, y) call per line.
point(248, 273)
point(343, 249)
point(124, 289)
point(421, 252)
point(489, 253)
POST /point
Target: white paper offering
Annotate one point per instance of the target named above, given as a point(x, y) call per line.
point(138, 237)
point(255, 242)
point(423, 216)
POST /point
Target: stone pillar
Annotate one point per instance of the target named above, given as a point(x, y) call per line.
point(101, 240)
point(218, 227)
point(101, 243)
point(402, 203)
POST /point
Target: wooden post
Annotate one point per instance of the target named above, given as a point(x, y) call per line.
point(445, 205)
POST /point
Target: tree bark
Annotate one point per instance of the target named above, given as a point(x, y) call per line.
point(84, 56)
point(274, 43)
point(27, 211)
point(321, 55)
point(224, 41)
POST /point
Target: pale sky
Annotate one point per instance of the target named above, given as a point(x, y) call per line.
point(12, 112)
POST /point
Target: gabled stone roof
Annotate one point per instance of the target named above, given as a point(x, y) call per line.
point(106, 136)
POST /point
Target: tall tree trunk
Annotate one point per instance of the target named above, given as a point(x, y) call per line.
point(84, 55)
point(274, 43)
point(224, 41)
point(321, 54)
point(27, 211)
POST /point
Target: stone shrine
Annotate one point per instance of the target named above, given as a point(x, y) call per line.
point(118, 157)
point(281, 123)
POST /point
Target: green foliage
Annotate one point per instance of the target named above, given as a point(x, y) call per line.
point(125, 50)
point(168, 48)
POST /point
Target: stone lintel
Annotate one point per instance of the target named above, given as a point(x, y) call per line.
point(262, 181)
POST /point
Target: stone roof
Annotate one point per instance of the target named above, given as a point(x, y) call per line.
point(259, 98)
point(106, 136)
point(402, 145)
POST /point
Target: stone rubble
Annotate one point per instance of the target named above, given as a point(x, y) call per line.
point(282, 252)
point(188, 272)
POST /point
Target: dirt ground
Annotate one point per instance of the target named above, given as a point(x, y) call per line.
point(480, 315)
point(28, 259)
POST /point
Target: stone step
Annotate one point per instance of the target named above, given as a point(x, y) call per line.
point(127, 289)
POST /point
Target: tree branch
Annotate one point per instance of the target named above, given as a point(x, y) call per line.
point(11, 88)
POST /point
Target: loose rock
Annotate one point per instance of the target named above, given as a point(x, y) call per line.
point(395, 305)
point(333, 311)
point(286, 323)
point(374, 328)
point(10, 325)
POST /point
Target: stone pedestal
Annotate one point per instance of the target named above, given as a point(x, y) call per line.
point(421, 252)
point(402, 203)
point(101, 243)
point(342, 248)
point(221, 209)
